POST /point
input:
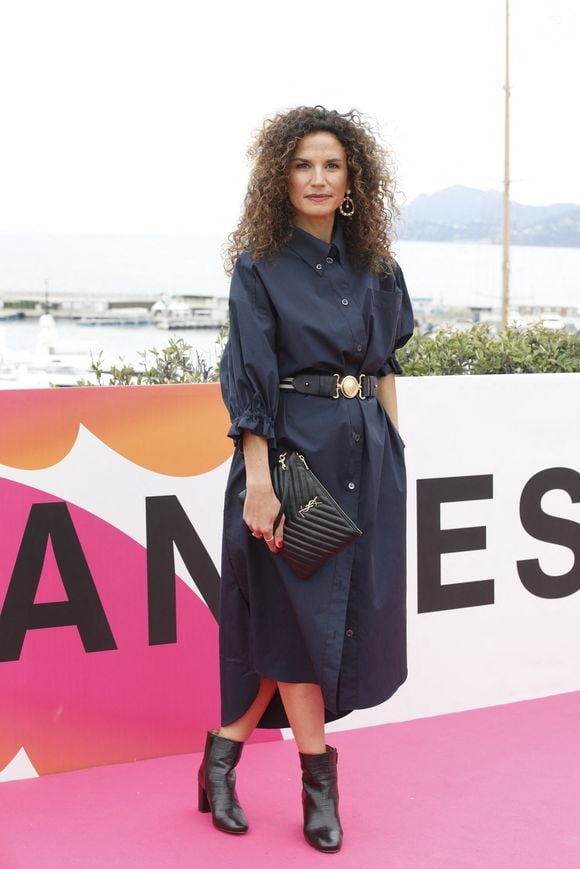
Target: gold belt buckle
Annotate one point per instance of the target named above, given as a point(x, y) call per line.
point(360, 386)
point(349, 386)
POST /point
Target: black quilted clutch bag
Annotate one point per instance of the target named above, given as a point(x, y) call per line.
point(315, 527)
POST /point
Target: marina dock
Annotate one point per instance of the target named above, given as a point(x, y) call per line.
point(166, 311)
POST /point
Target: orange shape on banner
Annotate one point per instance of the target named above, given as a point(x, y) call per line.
point(175, 429)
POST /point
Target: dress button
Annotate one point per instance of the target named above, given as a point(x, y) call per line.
point(345, 301)
point(351, 485)
point(319, 266)
point(329, 259)
point(356, 436)
point(359, 348)
point(350, 632)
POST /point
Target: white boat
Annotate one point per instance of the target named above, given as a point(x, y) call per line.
point(183, 314)
point(553, 321)
point(119, 317)
point(52, 363)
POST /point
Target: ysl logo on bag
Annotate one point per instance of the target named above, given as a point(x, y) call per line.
point(314, 502)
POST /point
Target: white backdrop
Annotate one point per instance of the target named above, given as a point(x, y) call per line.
point(521, 646)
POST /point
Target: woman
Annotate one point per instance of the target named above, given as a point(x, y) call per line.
point(314, 290)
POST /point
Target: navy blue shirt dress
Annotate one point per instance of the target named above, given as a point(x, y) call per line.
point(344, 627)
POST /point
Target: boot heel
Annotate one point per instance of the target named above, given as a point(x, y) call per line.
point(202, 800)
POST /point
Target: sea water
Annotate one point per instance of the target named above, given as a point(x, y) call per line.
point(146, 267)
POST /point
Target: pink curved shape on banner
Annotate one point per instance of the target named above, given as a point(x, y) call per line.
point(71, 709)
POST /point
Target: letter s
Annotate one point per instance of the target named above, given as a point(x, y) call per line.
point(552, 529)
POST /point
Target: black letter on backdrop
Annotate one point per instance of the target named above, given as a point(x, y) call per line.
point(552, 529)
point(433, 541)
point(83, 607)
point(168, 524)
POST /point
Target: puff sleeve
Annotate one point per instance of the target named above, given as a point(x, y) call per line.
point(249, 368)
point(405, 326)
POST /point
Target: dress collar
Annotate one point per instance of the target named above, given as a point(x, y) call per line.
point(316, 252)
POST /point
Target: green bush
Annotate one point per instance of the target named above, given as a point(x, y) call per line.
point(173, 364)
point(478, 350)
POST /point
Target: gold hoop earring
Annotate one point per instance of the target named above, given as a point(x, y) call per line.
point(346, 207)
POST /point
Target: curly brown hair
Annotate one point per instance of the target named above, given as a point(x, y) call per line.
point(266, 221)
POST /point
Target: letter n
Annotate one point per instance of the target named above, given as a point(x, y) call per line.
point(168, 524)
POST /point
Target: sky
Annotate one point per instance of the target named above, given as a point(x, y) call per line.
point(118, 116)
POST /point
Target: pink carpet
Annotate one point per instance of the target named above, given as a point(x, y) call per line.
point(495, 788)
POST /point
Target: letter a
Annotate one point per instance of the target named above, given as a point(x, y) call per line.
point(83, 607)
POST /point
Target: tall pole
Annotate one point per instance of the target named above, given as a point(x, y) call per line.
point(505, 295)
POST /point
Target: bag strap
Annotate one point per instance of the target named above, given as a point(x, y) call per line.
point(281, 478)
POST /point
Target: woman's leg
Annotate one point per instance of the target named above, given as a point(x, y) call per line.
point(304, 707)
point(305, 710)
point(216, 776)
point(241, 729)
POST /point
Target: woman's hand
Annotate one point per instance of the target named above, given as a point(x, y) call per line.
point(261, 505)
point(261, 508)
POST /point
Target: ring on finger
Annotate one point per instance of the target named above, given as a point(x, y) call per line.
point(269, 539)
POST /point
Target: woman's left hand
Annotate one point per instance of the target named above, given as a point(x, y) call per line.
point(261, 507)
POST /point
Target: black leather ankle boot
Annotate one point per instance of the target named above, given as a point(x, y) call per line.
point(217, 783)
point(322, 827)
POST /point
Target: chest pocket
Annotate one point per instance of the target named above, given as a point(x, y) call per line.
point(386, 298)
point(385, 310)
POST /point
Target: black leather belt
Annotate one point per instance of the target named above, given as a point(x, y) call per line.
point(333, 385)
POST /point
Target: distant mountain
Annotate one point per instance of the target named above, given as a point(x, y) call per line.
point(466, 214)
